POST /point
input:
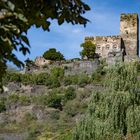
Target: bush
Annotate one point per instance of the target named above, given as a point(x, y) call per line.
point(13, 98)
point(57, 72)
point(114, 113)
point(12, 77)
point(29, 117)
point(40, 100)
point(96, 76)
point(71, 80)
point(54, 100)
point(24, 100)
point(67, 80)
point(2, 106)
point(69, 94)
point(41, 79)
point(33, 133)
point(53, 82)
point(27, 79)
point(83, 80)
point(55, 115)
point(72, 108)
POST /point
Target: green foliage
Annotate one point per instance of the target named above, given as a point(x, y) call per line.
point(24, 100)
point(70, 80)
point(55, 115)
point(27, 79)
point(53, 82)
point(11, 76)
point(16, 17)
point(88, 50)
point(70, 94)
point(13, 98)
point(114, 113)
point(96, 76)
point(2, 106)
point(41, 78)
point(40, 100)
point(72, 108)
point(29, 117)
point(33, 133)
point(57, 72)
point(83, 80)
point(54, 55)
point(55, 101)
point(122, 77)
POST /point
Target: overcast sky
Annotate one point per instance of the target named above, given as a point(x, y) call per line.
point(105, 20)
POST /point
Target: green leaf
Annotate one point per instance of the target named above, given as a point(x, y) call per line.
point(25, 39)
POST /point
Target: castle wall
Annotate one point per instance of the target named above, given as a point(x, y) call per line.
point(71, 68)
point(129, 32)
point(105, 44)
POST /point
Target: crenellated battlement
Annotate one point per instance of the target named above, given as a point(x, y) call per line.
point(127, 41)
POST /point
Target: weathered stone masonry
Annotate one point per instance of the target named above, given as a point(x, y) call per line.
point(123, 47)
point(127, 43)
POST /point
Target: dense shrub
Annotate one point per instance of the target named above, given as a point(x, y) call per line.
point(96, 77)
point(71, 80)
point(29, 117)
point(13, 98)
point(83, 80)
point(114, 113)
point(53, 82)
point(55, 101)
point(70, 94)
point(12, 77)
point(33, 133)
point(67, 80)
point(27, 79)
point(122, 77)
point(41, 78)
point(2, 106)
point(55, 115)
point(57, 72)
point(24, 100)
point(40, 100)
point(72, 108)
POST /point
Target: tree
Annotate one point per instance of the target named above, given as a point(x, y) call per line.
point(113, 113)
point(16, 17)
point(88, 50)
point(52, 54)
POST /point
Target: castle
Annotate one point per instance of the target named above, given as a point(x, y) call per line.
point(124, 46)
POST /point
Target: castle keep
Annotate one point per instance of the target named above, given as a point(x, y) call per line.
point(124, 46)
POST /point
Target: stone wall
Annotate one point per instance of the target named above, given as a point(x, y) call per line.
point(81, 67)
point(106, 44)
point(70, 67)
point(129, 32)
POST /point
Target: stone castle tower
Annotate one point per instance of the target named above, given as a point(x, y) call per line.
point(123, 46)
point(129, 32)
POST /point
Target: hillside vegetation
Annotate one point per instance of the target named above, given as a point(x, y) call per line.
point(55, 106)
point(115, 113)
point(46, 105)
